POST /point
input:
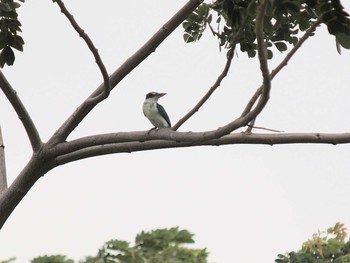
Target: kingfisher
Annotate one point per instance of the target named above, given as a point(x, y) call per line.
point(154, 111)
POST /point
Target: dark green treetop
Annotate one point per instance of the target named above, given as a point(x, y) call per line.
point(9, 29)
point(234, 22)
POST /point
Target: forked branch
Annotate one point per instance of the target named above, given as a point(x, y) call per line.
point(79, 145)
point(282, 64)
point(301, 41)
point(140, 55)
point(209, 92)
point(220, 78)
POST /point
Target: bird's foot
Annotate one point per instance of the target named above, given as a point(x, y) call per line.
point(154, 128)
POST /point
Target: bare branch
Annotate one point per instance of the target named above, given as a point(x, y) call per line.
point(72, 122)
point(237, 138)
point(250, 126)
point(3, 178)
point(262, 128)
point(220, 78)
point(22, 113)
point(107, 87)
point(209, 93)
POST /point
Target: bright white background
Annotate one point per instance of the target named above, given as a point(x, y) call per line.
point(245, 203)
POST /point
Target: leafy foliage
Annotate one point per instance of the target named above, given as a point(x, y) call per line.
point(8, 260)
point(196, 23)
point(52, 259)
point(167, 245)
point(284, 20)
point(158, 246)
point(323, 247)
point(9, 29)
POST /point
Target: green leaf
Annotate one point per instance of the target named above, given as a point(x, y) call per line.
point(5, 7)
point(251, 53)
point(303, 24)
point(17, 43)
point(7, 57)
point(269, 54)
point(209, 19)
point(15, 5)
point(188, 38)
point(118, 245)
point(335, 28)
point(281, 46)
point(325, 7)
point(292, 6)
point(13, 24)
point(343, 40)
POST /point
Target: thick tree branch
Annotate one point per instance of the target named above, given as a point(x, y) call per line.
point(209, 135)
point(107, 87)
point(22, 113)
point(3, 178)
point(9, 199)
point(108, 147)
point(43, 158)
point(73, 121)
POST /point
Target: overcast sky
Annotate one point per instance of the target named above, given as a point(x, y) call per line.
point(244, 203)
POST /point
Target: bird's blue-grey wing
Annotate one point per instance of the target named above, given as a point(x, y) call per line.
point(163, 113)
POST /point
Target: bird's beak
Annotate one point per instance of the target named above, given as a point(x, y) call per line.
point(161, 94)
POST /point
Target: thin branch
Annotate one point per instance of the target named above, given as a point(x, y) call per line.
point(262, 49)
point(231, 139)
point(107, 87)
point(262, 128)
point(3, 178)
point(250, 126)
point(290, 54)
point(22, 113)
point(209, 92)
point(72, 122)
point(220, 78)
point(262, 55)
point(282, 64)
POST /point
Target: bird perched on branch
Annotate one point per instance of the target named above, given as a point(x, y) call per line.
point(154, 111)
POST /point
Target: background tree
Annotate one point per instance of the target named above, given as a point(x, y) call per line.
point(8, 260)
point(329, 246)
point(157, 246)
point(161, 245)
point(52, 259)
point(167, 245)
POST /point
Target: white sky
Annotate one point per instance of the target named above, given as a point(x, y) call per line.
point(244, 203)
